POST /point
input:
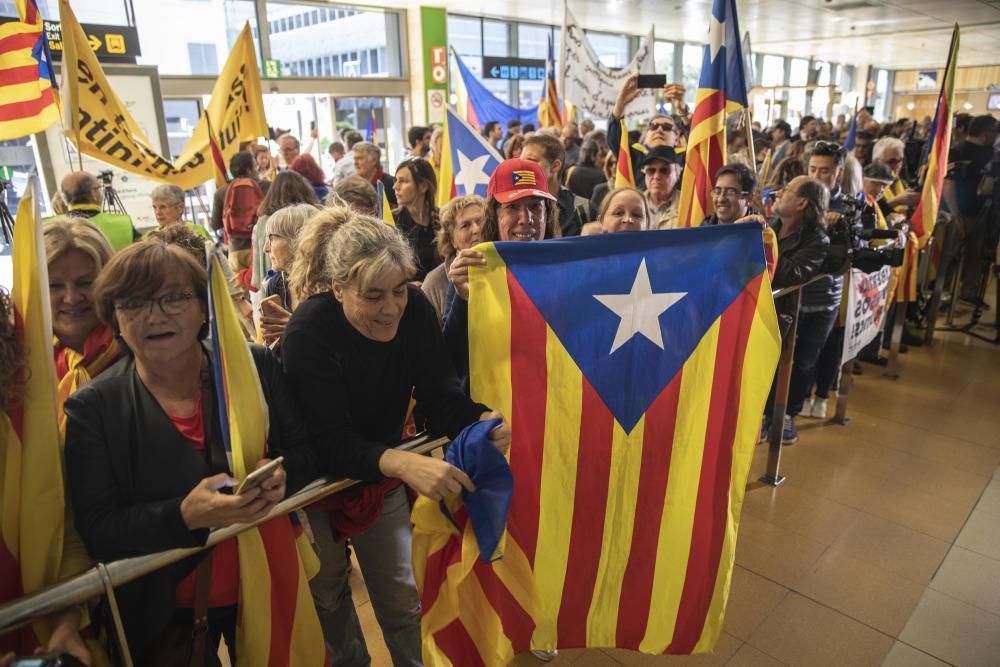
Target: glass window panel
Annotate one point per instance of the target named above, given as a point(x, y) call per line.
point(823, 75)
point(663, 56)
point(529, 93)
point(796, 103)
point(773, 71)
point(465, 36)
point(87, 11)
point(356, 30)
point(181, 116)
point(495, 40)
point(165, 28)
point(202, 59)
point(692, 57)
point(799, 72)
point(533, 41)
point(611, 49)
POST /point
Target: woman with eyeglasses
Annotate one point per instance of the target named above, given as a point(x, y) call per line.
point(146, 466)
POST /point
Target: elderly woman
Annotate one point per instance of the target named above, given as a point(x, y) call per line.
point(355, 193)
point(354, 356)
point(461, 223)
point(417, 215)
point(146, 466)
point(516, 210)
point(168, 207)
point(283, 229)
point(75, 251)
point(623, 210)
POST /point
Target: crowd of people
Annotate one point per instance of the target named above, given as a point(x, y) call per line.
point(359, 333)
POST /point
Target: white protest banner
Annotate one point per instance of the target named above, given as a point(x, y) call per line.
point(591, 85)
point(867, 294)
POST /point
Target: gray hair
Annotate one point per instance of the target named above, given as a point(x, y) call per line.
point(171, 193)
point(371, 149)
point(885, 144)
point(364, 248)
point(287, 222)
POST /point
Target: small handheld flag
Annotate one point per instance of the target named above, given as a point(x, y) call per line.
point(624, 175)
point(467, 160)
point(384, 210)
point(548, 108)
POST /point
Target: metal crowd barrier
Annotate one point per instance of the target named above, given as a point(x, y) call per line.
point(104, 577)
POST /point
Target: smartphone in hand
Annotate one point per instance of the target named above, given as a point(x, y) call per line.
point(651, 81)
point(254, 479)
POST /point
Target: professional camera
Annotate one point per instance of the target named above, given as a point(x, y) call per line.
point(849, 237)
point(105, 177)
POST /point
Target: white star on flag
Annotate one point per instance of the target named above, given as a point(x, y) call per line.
point(716, 36)
point(639, 310)
point(471, 173)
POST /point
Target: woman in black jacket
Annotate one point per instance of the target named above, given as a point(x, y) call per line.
point(146, 467)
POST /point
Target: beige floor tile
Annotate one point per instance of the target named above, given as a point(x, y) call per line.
point(774, 552)
point(953, 631)
point(725, 648)
point(909, 506)
point(803, 632)
point(990, 500)
point(800, 511)
point(748, 656)
point(981, 533)
point(821, 477)
point(373, 636)
point(865, 592)
point(904, 655)
point(751, 599)
point(893, 547)
point(970, 577)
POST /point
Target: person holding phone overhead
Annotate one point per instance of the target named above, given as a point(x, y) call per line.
point(661, 131)
point(146, 467)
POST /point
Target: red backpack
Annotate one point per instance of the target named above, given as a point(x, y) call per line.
point(239, 211)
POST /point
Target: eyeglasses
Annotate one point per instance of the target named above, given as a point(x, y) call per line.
point(666, 127)
point(171, 303)
point(729, 192)
point(653, 171)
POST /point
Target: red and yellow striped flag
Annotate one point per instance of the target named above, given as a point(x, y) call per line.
point(634, 398)
point(624, 175)
point(906, 288)
point(277, 624)
point(28, 101)
point(721, 90)
point(549, 114)
point(936, 157)
point(32, 503)
point(218, 161)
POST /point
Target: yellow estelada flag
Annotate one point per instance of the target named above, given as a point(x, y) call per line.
point(277, 622)
point(98, 122)
point(385, 210)
point(32, 501)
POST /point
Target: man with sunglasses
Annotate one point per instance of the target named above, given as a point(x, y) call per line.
point(661, 172)
point(734, 185)
point(662, 130)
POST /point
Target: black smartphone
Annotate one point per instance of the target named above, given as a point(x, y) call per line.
point(651, 81)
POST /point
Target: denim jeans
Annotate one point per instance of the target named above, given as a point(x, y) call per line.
point(828, 365)
point(814, 328)
point(383, 553)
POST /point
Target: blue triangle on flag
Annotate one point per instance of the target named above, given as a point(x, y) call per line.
point(473, 160)
point(574, 284)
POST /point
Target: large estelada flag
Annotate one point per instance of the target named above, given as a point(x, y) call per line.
point(467, 160)
point(277, 621)
point(32, 503)
point(722, 89)
point(633, 369)
point(936, 152)
point(97, 121)
point(27, 84)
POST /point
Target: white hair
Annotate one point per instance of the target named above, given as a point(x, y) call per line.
point(885, 144)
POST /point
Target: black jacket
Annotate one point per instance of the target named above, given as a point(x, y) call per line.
point(800, 256)
point(128, 468)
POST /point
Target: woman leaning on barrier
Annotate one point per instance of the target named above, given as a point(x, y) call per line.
point(146, 466)
point(355, 355)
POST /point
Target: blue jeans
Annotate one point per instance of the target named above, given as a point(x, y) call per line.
point(814, 328)
point(383, 552)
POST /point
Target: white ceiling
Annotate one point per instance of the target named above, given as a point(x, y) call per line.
point(896, 34)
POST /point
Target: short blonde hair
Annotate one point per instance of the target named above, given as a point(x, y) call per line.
point(364, 248)
point(449, 215)
point(310, 272)
point(65, 234)
point(288, 222)
point(356, 193)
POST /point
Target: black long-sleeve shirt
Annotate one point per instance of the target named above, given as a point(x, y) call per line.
point(355, 391)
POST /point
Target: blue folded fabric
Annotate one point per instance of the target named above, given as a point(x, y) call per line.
point(474, 454)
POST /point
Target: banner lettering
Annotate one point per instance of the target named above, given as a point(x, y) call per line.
point(867, 295)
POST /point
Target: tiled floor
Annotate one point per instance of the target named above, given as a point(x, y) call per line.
point(883, 546)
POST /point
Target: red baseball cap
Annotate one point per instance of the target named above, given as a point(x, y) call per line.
point(516, 179)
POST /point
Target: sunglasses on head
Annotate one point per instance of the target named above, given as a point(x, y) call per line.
point(663, 125)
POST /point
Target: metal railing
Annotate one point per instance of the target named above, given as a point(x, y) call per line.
point(104, 577)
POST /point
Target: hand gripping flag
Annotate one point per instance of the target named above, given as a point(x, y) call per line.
point(28, 101)
point(633, 369)
point(548, 109)
point(936, 152)
point(277, 622)
point(467, 160)
point(722, 89)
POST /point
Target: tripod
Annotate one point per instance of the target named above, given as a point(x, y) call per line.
point(111, 202)
point(6, 219)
